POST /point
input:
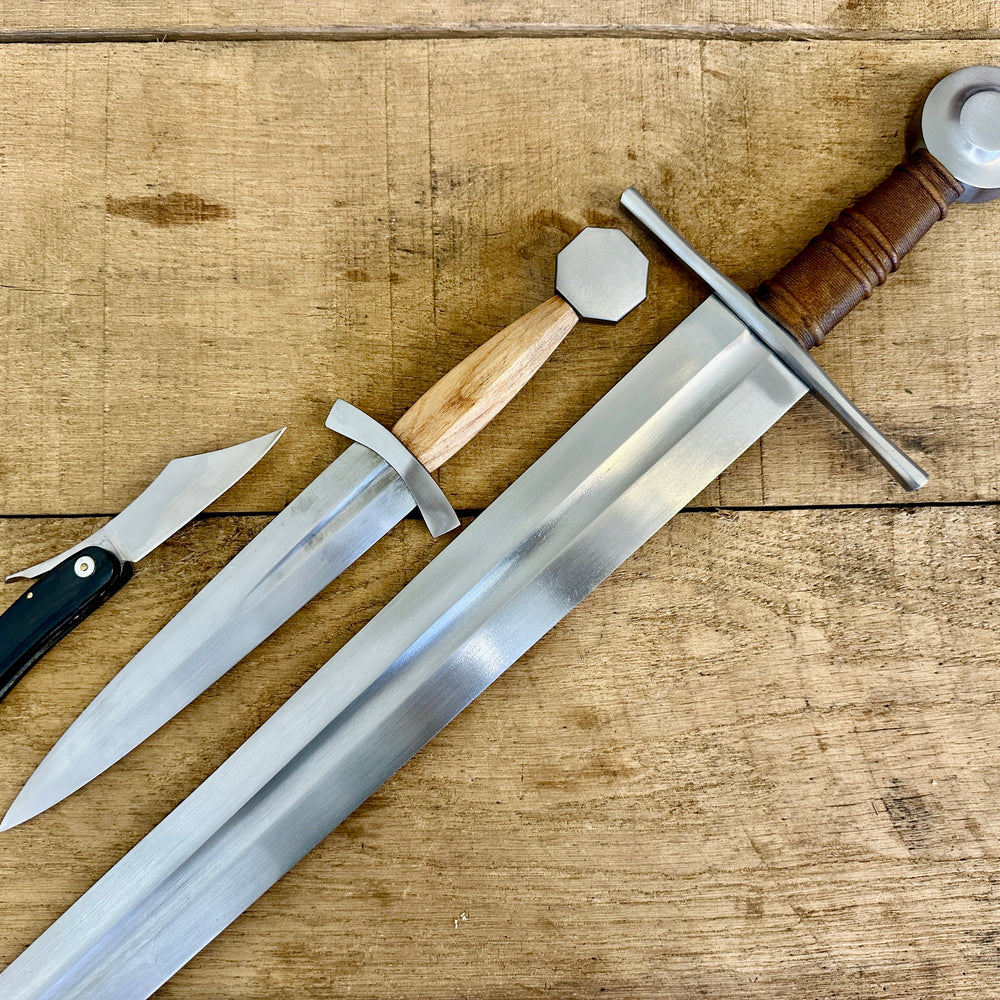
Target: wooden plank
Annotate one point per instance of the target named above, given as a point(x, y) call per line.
point(768, 18)
point(760, 761)
point(204, 242)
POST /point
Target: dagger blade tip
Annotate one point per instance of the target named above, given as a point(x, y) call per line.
point(12, 818)
point(34, 798)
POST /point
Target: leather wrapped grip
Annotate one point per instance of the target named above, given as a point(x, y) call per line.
point(857, 252)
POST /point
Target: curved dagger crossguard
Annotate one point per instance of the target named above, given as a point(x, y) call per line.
point(958, 160)
point(428, 496)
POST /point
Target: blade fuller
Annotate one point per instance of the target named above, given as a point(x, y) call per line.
point(664, 432)
point(341, 514)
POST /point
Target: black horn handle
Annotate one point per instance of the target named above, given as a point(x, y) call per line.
point(53, 606)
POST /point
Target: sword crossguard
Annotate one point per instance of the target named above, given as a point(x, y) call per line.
point(787, 349)
point(433, 505)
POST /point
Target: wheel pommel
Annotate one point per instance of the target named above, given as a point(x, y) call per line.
point(960, 127)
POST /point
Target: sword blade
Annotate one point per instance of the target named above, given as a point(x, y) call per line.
point(680, 417)
point(340, 515)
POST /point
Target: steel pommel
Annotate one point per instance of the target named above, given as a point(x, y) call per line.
point(602, 274)
point(960, 127)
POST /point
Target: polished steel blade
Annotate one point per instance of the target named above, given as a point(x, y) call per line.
point(664, 432)
point(180, 492)
point(340, 515)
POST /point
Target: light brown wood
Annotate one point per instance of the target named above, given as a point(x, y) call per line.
point(460, 404)
point(760, 761)
point(749, 19)
point(356, 247)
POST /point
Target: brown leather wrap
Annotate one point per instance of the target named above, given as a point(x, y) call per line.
point(857, 252)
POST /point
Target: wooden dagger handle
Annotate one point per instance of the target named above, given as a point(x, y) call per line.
point(857, 253)
point(457, 407)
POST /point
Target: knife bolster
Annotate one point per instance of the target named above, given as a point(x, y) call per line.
point(859, 250)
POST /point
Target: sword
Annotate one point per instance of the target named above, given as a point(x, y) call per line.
point(373, 485)
point(667, 429)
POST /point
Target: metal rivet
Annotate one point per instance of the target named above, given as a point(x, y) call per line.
point(84, 566)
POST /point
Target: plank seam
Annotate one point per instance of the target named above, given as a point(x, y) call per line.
point(381, 33)
point(472, 512)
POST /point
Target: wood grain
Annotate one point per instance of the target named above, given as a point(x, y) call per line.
point(758, 762)
point(722, 18)
point(459, 405)
point(205, 242)
point(761, 760)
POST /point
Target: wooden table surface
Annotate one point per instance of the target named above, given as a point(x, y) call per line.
point(763, 759)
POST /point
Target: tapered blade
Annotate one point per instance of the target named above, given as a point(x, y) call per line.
point(184, 488)
point(340, 515)
point(663, 433)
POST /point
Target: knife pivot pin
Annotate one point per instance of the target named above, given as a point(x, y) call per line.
point(84, 566)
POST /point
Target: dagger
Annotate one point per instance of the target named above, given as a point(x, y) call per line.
point(664, 431)
point(73, 584)
point(377, 481)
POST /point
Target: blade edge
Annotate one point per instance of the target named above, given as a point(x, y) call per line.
point(110, 535)
point(443, 595)
point(184, 488)
point(341, 514)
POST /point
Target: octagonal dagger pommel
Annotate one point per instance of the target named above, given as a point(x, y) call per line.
point(602, 274)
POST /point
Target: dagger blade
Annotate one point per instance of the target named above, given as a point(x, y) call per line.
point(339, 516)
point(666, 430)
point(342, 514)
